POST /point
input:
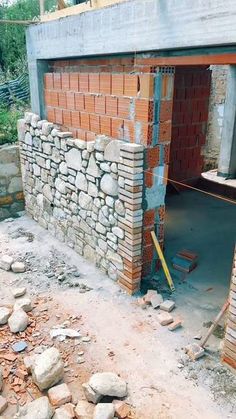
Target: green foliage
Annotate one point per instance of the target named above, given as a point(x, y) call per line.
point(8, 123)
point(12, 44)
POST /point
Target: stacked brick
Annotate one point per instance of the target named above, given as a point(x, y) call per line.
point(89, 104)
point(130, 192)
point(87, 194)
point(229, 350)
point(190, 116)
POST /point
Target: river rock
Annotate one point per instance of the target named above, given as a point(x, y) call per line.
point(4, 315)
point(37, 409)
point(24, 303)
point(104, 411)
point(18, 321)
point(109, 185)
point(48, 369)
point(18, 267)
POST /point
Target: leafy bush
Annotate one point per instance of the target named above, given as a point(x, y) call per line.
point(8, 123)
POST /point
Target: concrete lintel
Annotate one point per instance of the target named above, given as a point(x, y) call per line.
point(227, 159)
point(135, 25)
point(37, 68)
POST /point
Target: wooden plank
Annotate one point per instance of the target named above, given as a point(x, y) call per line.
point(79, 8)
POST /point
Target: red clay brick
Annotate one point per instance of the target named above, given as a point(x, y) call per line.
point(54, 98)
point(89, 103)
point(94, 82)
point(79, 101)
point(131, 85)
point(74, 82)
point(124, 107)
point(47, 98)
point(146, 86)
point(75, 119)
point(51, 114)
point(149, 217)
point(129, 131)
point(148, 177)
point(66, 118)
point(143, 110)
point(58, 116)
point(146, 134)
point(84, 121)
point(166, 110)
point(100, 107)
point(70, 100)
point(152, 157)
point(164, 131)
point(90, 136)
point(62, 100)
point(111, 105)
point(105, 83)
point(81, 134)
point(83, 82)
point(65, 81)
point(117, 87)
point(117, 128)
point(105, 123)
point(95, 123)
point(48, 81)
point(57, 81)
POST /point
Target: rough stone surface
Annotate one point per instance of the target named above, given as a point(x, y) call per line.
point(39, 408)
point(167, 305)
point(109, 185)
point(164, 318)
point(47, 370)
point(6, 262)
point(18, 292)
point(90, 394)
point(112, 151)
point(65, 412)
point(3, 404)
point(84, 410)
point(24, 304)
point(73, 159)
point(18, 267)
point(108, 384)
point(156, 300)
point(18, 321)
point(4, 315)
point(104, 411)
point(59, 395)
point(122, 409)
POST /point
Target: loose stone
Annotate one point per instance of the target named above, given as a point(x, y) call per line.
point(47, 369)
point(18, 267)
point(59, 395)
point(4, 315)
point(6, 262)
point(104, 411)
point(18, 321)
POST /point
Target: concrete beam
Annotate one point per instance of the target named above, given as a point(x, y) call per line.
point(227, 159)
point(135, 25)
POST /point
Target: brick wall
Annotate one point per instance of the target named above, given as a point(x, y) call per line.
point(126, 98)
point(229, 349)
point(190, 118)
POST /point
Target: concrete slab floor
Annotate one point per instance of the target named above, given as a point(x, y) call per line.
point(206, 226)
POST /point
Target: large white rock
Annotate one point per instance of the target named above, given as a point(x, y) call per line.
point(73, 159)
point(109, 185)
point(84, 410)
point(18, 292)
point(63, 168)
point(47, 369)
point(6, 262)
point(60, 185)
point(47, 192)
point(104, 411)
point(93, 168)
point(119, 207)
point(38, 409)
point(24, 304)
point(108, 384)
point(118, 232)
point(112, 151)
point(85, 201)
point(101, 142)
point(81, 182)
point(65, 412)
point(28, 139)
point(4, 315)
point(18, 267)
point(18, 321)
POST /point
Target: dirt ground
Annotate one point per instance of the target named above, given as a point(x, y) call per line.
point(124, 338)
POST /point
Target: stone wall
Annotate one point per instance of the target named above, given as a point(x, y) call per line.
point(215, 118)
point(88, 194)
point(11, 195)
point(229, 349)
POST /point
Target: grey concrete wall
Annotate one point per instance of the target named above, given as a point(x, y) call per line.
point(227, 159)
point(135, 25)
point(211, 149)
point(11, 195)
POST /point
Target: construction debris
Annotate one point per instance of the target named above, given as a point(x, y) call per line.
point(3, 404)
point(59, 395)
point(19, 346)
point(122, 409)
point(175, 325)
point(165, 318)
point(48, 369)
point(18, 292)
point(6, 262)
point(104, 411)
point(24, 304)
point(185, 261)
point(194, 351)
point(18, 321)
point(106, 384)
point(167, 305)
point(18, 267)
point(39, 408)
point(4, 315)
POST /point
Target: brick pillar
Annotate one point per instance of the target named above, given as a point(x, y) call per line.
point(156, 167)
point(130, 173)
point(229, 350)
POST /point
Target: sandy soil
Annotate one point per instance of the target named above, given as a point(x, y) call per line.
point(124, 338)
